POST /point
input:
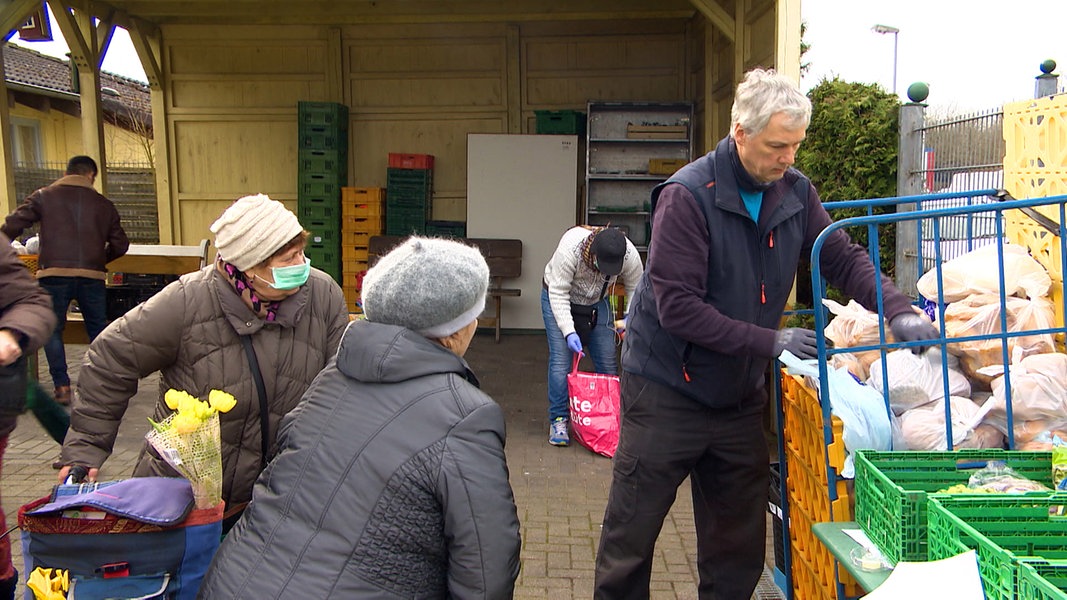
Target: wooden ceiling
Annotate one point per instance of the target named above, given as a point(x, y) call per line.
point(347, 12)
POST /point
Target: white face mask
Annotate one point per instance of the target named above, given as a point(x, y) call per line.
point(289, 277)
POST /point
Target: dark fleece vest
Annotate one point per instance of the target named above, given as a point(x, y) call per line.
point(751, 268)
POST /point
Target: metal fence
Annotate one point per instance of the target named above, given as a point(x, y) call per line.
point(132, 187)
point(961, 153)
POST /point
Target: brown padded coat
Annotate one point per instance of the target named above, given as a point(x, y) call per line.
point(189, 333)
point(25, 308)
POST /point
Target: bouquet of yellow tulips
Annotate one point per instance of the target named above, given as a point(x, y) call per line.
point(189, 440)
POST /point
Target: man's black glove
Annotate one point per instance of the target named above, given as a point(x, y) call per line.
point(911, 327)
point(799, 342)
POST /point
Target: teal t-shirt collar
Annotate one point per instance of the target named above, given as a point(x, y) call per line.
point(753, 201)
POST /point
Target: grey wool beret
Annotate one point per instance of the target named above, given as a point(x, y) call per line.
point(432, 286)
point(252, 229)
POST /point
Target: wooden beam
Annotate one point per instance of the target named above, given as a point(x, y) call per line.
point(105, 30)
point(787, 38)
point(717, 17)
point(76, 22)
point(7, 163)
point(13, 13)
point(513, 80)
point(80, 51)
point(147, 43)
point(344, 12)
point(334, 66)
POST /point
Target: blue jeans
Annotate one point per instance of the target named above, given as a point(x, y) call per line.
point(601, 349)
point(91, 295)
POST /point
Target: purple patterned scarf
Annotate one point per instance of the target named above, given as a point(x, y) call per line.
point(264, 309)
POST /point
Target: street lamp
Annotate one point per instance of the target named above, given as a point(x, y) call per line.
point(894, 31)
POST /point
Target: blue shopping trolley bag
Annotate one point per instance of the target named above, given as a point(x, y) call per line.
point(134, 538)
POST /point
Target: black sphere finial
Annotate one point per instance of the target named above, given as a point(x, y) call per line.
point(918, 92)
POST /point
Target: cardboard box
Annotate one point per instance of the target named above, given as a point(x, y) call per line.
point(657, 132)
point(665, 166)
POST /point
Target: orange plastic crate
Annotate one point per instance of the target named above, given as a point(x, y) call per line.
point(355, 238)
point(30, 260)
point(354, 254)
point(371, 224)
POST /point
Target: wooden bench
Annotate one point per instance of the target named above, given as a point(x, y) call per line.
point(148, 259)
point(504, 257)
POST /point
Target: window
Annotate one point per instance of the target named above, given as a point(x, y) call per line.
point(25, 140)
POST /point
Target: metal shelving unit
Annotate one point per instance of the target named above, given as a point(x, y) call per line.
point(622, 138)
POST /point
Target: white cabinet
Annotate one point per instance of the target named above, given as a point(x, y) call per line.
point(631, 147)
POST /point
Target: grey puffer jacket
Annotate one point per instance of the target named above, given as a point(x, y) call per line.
point(189, 333)
point(390, 482)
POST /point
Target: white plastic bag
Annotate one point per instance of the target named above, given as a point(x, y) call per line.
point(924, 427)
point(978, 272)
point(917, 379)
point(1038, 391)
point(854, 326)
point(862, 410)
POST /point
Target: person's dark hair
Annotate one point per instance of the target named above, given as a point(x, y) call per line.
point(82, 165)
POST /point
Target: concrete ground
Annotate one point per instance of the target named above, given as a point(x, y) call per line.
point(560, 492)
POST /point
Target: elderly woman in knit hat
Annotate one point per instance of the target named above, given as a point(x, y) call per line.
point(259, 323)
point(390, 480)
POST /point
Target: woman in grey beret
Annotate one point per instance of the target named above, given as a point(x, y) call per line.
point(391, 479)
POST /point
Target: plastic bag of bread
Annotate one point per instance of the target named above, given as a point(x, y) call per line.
point(1038, 391)
point(978, 272)
point(979, 314)
point(924, 427)
point(1041, 435)
point(854, 326)
point(917, 379)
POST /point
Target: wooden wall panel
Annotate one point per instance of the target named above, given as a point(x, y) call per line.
point(373, 137)
point(219, 95)
point(567, 72)
point(420, 88)
point(230, 159)
point(264, 56)
point(426, 74)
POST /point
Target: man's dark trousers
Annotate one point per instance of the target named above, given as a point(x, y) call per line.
point(665, 438)
point(91, 295)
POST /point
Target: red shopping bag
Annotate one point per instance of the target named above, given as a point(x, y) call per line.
point(594, 407)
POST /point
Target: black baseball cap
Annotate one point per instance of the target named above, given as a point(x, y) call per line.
point(609, 248)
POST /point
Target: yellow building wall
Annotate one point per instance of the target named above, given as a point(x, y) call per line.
point(232, 93)
point(61, 138)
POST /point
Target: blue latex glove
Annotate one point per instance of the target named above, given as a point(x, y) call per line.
point(911, 327)
point(574, 343)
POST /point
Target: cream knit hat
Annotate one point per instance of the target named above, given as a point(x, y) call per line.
point(252, 229)
point(432, 286)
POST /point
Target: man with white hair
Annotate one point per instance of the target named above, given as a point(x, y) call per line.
point(729, 230)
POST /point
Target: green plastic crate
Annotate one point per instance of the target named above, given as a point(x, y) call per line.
point(322, 138)
point(323, 162)
point(322, 114)
point(560, 122)
point(447, 229)
point(1042, 580)
point(317, 212)
point(891, 490)
point(1002, 528)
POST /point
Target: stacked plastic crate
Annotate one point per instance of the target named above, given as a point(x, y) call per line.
point(408, 193)
point(323, 171)
point(361, 219)
point(812, 470)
